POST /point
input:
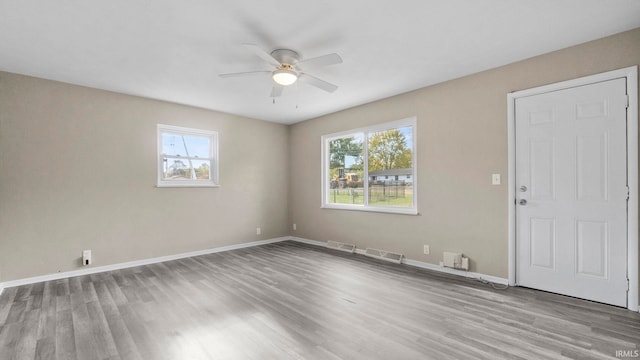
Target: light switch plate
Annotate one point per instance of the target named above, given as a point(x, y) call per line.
point(495, 179)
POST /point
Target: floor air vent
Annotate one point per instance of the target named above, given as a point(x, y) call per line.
point(350, 248)
point(384, 255)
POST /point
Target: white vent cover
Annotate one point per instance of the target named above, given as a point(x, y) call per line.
point(350, 248)
point(384, 255)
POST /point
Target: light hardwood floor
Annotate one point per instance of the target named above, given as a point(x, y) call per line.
point(295, 301)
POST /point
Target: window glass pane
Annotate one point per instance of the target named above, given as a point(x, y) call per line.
point(185, 145)
point(346, 169)
point(386, 157)
point(185, 169)
point(390, 167)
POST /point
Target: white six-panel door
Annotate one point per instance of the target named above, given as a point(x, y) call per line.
point(571, 192)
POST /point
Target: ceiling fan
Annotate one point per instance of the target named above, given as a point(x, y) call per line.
point(289, 69)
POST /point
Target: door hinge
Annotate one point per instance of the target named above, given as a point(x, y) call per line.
point(627, 101)
point(628, 192)
point(627, 284)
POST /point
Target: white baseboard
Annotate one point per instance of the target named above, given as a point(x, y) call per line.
point(98, 269)
point(307, 241)
point(424, 265)
point(468, 274)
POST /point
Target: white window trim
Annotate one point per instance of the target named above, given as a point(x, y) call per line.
point(325, 181)
point(213, 138)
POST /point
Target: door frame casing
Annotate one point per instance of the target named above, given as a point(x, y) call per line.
point(631, 75)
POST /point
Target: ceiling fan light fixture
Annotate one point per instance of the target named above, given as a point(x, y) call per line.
point(284, 76)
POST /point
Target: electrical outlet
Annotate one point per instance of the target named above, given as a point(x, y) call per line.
point(295, 227)
point(86, 257)
point(258, 231)
point(426, 250)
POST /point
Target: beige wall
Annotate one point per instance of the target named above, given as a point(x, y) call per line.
point(78, 168)
point(462, 140)
point(78, 171)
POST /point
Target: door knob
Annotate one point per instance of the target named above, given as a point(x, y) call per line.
point(523, 188)
point(523, 202)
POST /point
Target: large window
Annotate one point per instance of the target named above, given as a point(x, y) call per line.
point(187, 157)
point(371, 169)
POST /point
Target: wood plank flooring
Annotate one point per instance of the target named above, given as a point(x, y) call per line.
point(295, 301)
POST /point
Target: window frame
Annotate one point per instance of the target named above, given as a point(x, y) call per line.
point(213, 157)
point(366, 131)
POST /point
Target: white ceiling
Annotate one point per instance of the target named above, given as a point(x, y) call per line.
point(174, 50)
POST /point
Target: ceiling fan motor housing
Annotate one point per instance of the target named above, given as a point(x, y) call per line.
point(285, 56)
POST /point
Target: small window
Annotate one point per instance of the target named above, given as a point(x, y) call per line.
point(356, 162)
point(187, 157)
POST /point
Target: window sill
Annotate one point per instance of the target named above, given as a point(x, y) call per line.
point(187, 185)
point(377, 209)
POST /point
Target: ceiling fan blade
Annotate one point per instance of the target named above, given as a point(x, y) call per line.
point(263, 54)
point(324, 60)
point(276, 91)
point(246, 73)
point(321, 84)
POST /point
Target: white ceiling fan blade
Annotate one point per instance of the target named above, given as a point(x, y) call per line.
point(321, 84)
point(276, 91)
point(246, 73)
point(263, 54)
point(324, 60)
